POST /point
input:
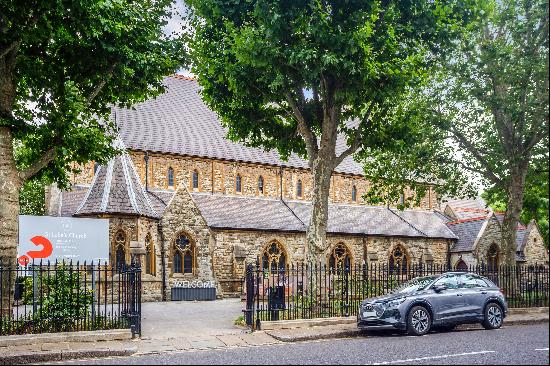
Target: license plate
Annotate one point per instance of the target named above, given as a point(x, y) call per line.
point(369, 314)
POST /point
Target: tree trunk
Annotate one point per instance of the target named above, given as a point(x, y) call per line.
point(10, 184)
point(514, 206)
point(316, 235)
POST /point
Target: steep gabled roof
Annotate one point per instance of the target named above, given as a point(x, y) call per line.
point(467, 230)
point(116, 189)
point(178, 122)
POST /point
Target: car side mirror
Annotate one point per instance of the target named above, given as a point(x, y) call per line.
point(439, 288)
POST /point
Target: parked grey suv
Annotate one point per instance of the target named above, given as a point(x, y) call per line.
point(438, 302)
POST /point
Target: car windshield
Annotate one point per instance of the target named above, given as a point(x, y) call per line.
point(416, 284)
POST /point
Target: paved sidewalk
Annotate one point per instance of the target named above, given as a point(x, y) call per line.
point(350, 330)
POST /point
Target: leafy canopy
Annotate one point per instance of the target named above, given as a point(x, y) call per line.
point(72, 60)
point(264, 63)
point(486, 108)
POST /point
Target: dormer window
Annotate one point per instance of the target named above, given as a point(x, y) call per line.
point(170, 177)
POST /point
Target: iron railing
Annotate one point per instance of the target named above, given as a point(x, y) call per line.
point(319, 291)
point(65, 297)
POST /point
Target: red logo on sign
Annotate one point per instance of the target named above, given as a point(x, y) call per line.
point(45, 252)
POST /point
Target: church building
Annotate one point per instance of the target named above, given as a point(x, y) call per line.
point(192, 205)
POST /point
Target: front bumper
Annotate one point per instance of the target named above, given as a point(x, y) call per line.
point(389, 319)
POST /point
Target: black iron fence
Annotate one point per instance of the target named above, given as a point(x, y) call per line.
point(319, 291)
point(65, 297)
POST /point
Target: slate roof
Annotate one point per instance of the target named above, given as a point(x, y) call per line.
point(467, 231)
point(223, 211)
point(70, 200)
point(178, 122)
point(116, 189)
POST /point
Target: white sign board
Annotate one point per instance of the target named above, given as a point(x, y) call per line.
point(66, 239)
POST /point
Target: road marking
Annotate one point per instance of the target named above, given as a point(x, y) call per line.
point(541, 349)
point(434, 357)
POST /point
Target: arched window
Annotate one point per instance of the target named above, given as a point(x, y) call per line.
point(149, 256)
point(398, 260)
point(402, 198)
point(354, 194)
point(183, 255)
point(195, 179)
point(120, 249)
point(340, 257)
point(492, 257)
point(274, 257)
point(261, 184)
point(299, 189)
point(238, 183)
point(96, 167)
point(461, 266)
point(170, 177)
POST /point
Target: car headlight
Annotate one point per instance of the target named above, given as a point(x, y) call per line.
point(395, 303)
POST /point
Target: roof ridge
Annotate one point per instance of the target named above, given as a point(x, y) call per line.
point(183, 77)
point(467, 220)
point(471, 209)
point(407, 222)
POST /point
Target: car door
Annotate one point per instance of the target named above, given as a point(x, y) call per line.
point(447, 303)
point(474, 291)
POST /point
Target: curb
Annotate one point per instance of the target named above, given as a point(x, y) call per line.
point(34, 357)
point(350, 333)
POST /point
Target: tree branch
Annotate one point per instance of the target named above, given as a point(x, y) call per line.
point(11, 47)
point(304, 130)
point(357, 139)
point(101, 84)
point(488, 171)
point(35, 168)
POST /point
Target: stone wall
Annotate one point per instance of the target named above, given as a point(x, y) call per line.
point(489, 234)
point(183, 217)
point(535, 251)
point(236, 248)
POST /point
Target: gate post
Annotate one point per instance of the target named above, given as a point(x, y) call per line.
point(249, 282)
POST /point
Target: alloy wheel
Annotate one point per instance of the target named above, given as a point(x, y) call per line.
point(420, 320)
point(495, 316)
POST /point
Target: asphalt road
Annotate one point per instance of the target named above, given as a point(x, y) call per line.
point(521, 344)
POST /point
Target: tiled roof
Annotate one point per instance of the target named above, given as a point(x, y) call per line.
point(70, 200)
point(468, 229)
point(116, 188)
point(178, 122)
point(222, 211)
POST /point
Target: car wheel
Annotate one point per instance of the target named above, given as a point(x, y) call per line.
point(419, 321)
point(493, 316)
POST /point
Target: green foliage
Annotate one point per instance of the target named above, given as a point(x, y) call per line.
point(484, 114)
point(68, 62)
point(257, 60)
point(32, 197)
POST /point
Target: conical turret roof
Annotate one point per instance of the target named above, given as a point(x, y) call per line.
point(116, 189)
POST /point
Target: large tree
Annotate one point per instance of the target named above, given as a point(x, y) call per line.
point(296, 75)
point(62, 64)
point(488, 112)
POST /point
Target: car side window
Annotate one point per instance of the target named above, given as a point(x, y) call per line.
point(469, 281)
point(450, 282)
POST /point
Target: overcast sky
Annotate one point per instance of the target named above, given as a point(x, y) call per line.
point(175, 25)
